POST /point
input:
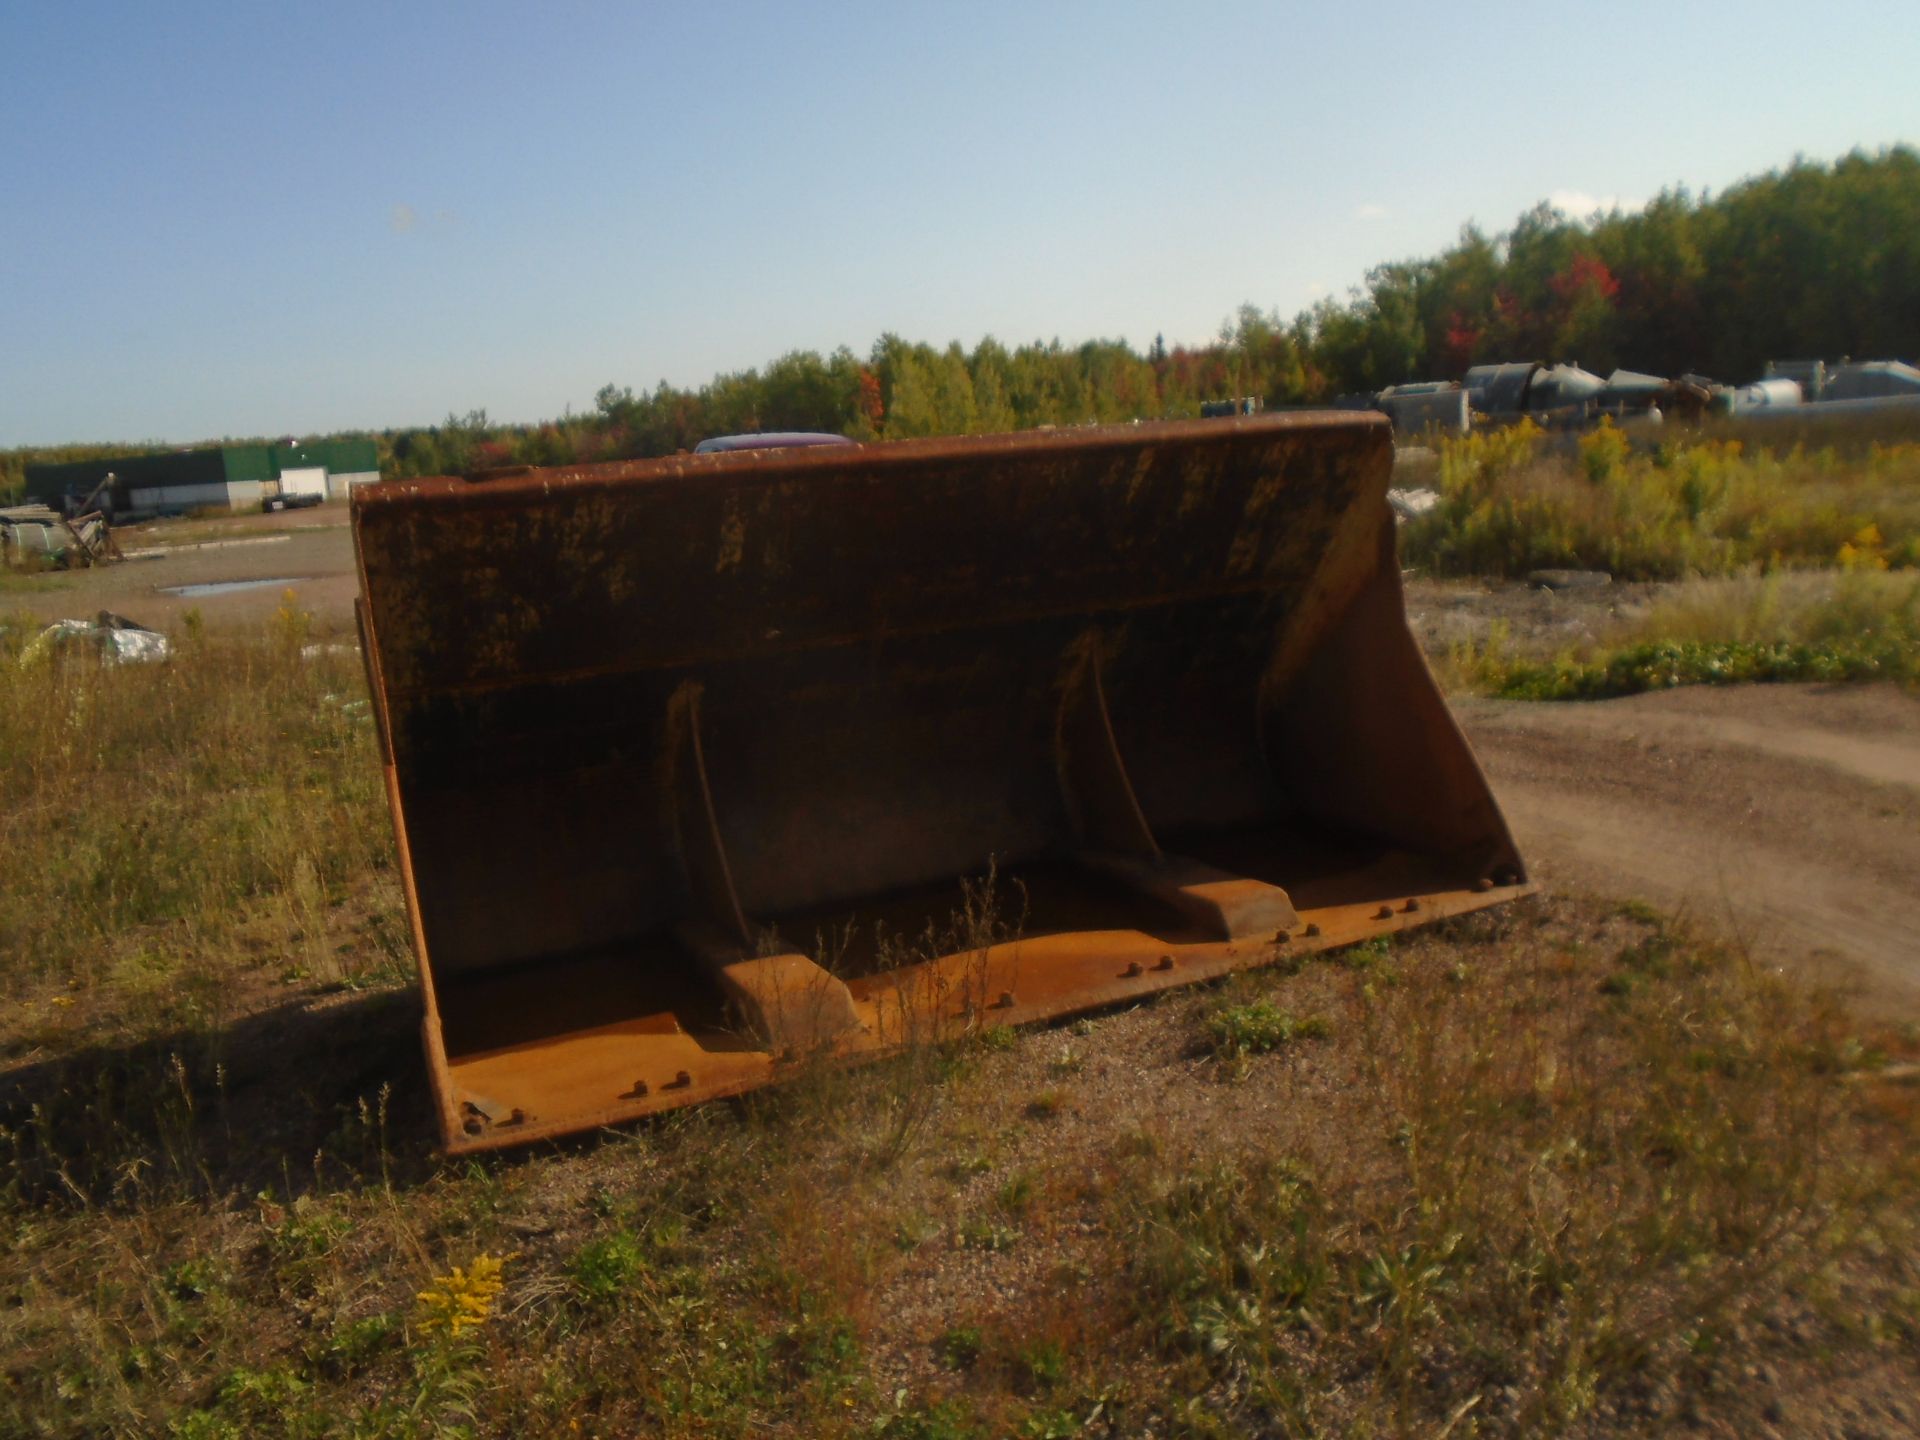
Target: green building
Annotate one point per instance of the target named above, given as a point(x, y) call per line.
point(235, 476)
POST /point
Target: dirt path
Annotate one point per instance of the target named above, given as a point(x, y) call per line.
point(1786, 817)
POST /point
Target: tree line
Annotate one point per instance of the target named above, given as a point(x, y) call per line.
point(1810, 260)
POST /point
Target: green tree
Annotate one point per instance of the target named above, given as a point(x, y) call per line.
point(914, 407)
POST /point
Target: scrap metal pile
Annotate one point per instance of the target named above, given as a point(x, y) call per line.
point(34, 535)
point(1568, 397)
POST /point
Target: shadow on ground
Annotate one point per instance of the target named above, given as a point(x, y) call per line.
point(304, 1096)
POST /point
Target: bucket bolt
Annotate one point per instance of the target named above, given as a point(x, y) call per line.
point(1385, 912)
point(1311, 931)
point(1165, 963)
point(1005, 1002)
point(1281, 937)
point(1412, 907)
point(1135, 969)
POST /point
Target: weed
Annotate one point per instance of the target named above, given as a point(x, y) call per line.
point(983, 1232)
point(1047, 1104)
point(1640, 911)
point(1363, 954)
point(964, 1166)
point(959, 1347)
point(205, 1425)
point(1015, 1198)
point(945, 1420)
point(1051, 1425)
point(355, 1343)
point(913, 1231)
point(1044, 1362)
point(1238, 1031)
point(822, 1347)
point(189, 1279)
point(915, 1015)
point(602, 1270)
point(261, 1393)
point(463, 1298)
point(1068, 1062)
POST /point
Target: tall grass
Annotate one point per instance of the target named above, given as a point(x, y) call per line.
point(1515, 500)
point(1827, 627)
point(154, 811)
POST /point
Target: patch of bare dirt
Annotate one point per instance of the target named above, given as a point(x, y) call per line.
point(1537, 622)
point(1786, 817)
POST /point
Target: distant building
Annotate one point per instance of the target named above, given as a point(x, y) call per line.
point(230, 476)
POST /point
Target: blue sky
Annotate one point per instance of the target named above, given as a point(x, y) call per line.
point(260, 219)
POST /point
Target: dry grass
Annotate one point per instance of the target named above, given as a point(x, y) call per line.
point(176, 820)
point(1562, 1181)
point(1562, 1169)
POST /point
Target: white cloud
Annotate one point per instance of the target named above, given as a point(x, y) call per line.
point(1371, 211)
point(402, 219)
point(1581, 206)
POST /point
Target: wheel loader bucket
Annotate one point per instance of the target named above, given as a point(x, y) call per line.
point(705, 767)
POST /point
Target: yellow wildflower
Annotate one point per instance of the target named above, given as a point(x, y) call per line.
point(462, 1300)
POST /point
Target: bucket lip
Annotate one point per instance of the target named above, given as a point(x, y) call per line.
point(516, 483)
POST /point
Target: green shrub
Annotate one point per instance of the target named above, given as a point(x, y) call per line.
point(1848, 627)
point(604, 1269)
point(1664, 664)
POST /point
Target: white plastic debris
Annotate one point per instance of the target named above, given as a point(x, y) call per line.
point(1408, 504)
point(118, 640)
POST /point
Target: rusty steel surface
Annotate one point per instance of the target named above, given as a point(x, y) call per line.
point(694, 761)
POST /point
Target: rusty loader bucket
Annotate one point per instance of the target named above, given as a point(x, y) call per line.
point(694, 761)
